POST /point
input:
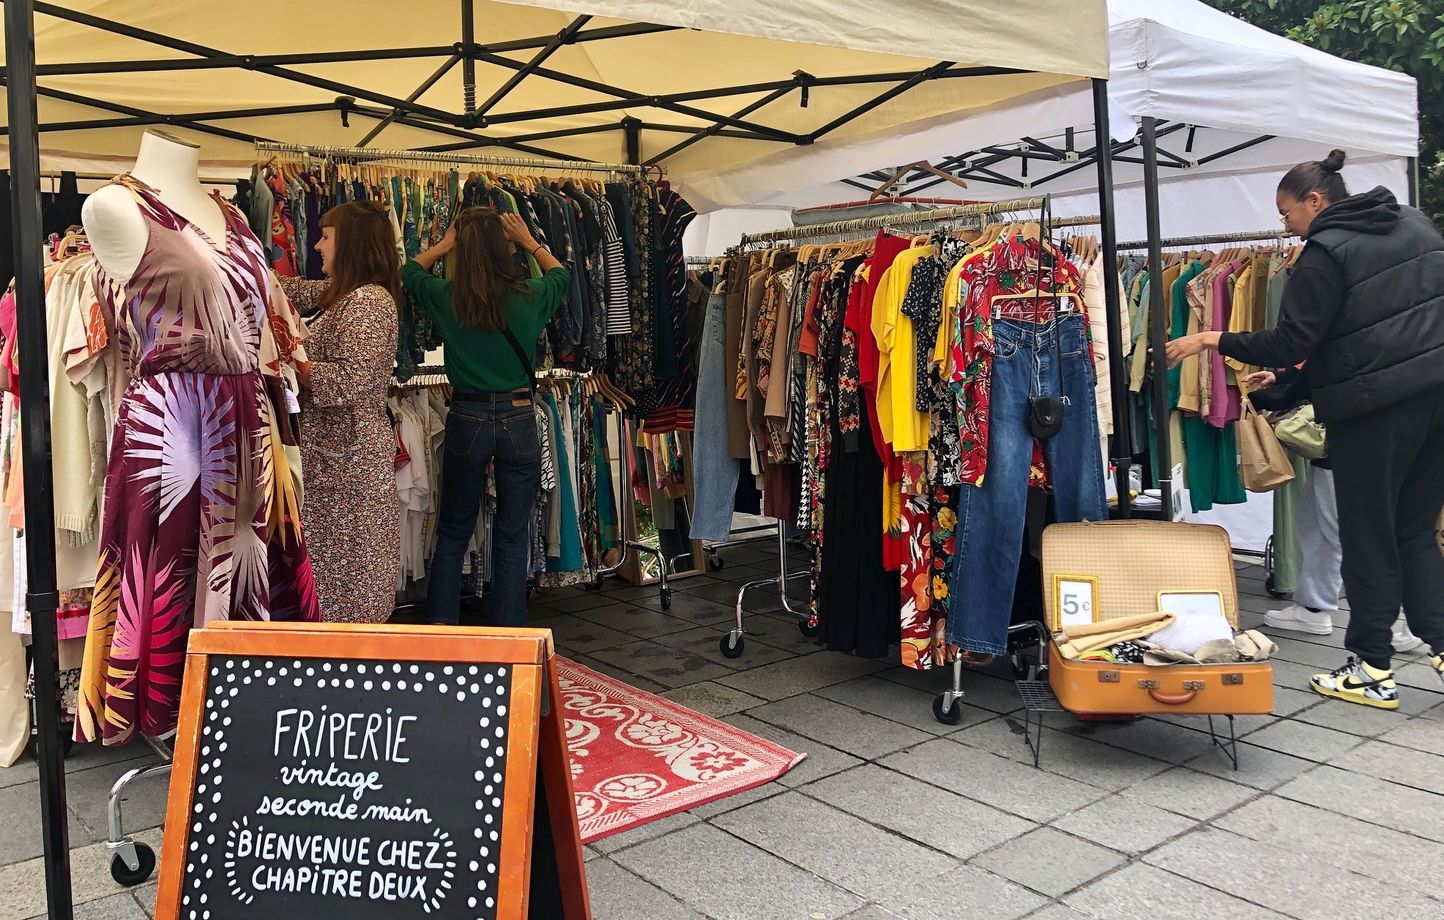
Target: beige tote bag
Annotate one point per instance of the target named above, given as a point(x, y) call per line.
point(1263, 463)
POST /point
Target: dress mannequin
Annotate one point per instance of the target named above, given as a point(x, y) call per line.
point(112, 218)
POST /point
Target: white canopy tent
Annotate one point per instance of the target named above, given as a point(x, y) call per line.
point(1235, 104)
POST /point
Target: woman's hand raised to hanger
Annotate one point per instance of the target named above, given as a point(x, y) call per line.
point(516, 231)
point(433, 255)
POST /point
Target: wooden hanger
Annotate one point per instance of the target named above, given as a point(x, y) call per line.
point(903, 171)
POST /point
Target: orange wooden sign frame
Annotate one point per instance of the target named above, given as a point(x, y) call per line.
point(537, 746)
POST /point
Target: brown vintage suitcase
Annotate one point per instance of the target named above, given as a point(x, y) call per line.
point(1132, 561)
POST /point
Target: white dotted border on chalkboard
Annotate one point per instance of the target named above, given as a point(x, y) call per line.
point(224, 686)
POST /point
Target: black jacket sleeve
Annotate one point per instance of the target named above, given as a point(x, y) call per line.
point(1312, 301)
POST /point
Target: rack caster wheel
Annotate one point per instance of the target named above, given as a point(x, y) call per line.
point(714, 562)
point(732, 645)
point(950, 716)
point(125, 875)
point(666, 596)
point(808, 630)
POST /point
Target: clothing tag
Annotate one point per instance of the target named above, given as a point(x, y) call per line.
point(293, 405)
point(520, 401)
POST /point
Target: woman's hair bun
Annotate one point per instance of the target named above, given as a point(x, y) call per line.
point(1333, 162)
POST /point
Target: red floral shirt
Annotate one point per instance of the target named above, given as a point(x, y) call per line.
point(1007, 267)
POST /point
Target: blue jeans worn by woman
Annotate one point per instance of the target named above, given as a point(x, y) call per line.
point(992, 517)
point(484, 430)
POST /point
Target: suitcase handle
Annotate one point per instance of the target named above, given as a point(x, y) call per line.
point(1173, 699)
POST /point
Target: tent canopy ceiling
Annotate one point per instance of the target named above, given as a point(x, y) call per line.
point(1266, 102)
point(551, 78)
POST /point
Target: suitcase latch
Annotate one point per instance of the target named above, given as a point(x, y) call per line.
point(1193, 685)
point(1147, 684)
point(1107, 677)
point(1232, 680)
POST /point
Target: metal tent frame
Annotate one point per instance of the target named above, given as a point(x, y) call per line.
point(455, 131)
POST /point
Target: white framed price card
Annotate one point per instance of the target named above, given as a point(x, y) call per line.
point(1075, 601)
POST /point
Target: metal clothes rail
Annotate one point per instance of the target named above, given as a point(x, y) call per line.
point(1250, 236)
point(372, 154)
point(881, 221)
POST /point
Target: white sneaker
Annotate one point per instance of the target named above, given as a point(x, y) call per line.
point(1404, 640)
point(1296, 618)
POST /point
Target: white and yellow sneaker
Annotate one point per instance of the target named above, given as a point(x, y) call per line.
point(1356, 682)
point(1436, 661)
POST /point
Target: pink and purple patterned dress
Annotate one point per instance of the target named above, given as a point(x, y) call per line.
point(201, 519)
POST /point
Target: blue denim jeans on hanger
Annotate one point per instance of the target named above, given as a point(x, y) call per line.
point(480, 432)
point(715, 469)
point(992, 517)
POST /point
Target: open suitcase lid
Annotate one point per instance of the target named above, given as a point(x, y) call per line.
point(1132, 561)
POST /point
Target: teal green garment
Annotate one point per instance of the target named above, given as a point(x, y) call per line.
point(1288, 555)
point(1211, 464)
point(1178, 324)
point(476, 360)
point(569, 558)
point(609, 532)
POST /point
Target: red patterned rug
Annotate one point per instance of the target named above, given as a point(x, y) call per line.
point(637, 758)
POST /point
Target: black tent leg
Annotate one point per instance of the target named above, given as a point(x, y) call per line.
point(1157, 320)
point(1113, 300)
point(41, 597)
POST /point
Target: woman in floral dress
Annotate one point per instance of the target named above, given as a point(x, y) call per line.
point(348, 447)
point(201, 521)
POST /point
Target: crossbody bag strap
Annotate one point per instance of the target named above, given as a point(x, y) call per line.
point(521, 357)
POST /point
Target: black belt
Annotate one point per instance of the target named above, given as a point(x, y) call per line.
point(473, 396)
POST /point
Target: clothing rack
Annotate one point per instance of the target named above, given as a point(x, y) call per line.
point(106, 177)
point(424, 156)
point(1254, 236)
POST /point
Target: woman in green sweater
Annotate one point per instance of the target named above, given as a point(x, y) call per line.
point(489, 318)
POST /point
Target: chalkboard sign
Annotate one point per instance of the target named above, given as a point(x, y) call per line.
point(368, 773)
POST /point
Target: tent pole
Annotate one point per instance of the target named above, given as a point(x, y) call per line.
point(41, 598)
point(1413, 167)
point(1157, 320)
point(1113, 300)
point(468, 59)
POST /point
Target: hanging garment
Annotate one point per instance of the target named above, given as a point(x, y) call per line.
point(1030, 359)
point(200, 519)
point(353, 520)
point(716, 469)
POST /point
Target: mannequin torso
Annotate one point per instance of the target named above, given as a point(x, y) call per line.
point(113, 221)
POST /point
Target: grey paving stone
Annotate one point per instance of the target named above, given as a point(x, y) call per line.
point(145, 897)
point(712, 699)
point(20, 814)
point(1057, 912)
point(1141, 892)
point(734, 802)
point(650, 831)
point(982, 689)
point(964, 892)
point(1125, 824)
point(702, 642)
point(635, 621)
point(82, 757)
point(1368, 799)
point(617, 894)
point(1278, 879)
point(115, 907)
point(1317, 657)
point(1311, 742)
point(861, 734)
point(662, 664)
point(1064, 753)
point(728, 879)
point(1050, 861)
point(845, 850)
point(1398, 765)
point(1258, 767)
point(872, 912)
point(1356, 720)
point(821, 760)
point(697, 610)
point(800, 675)
point(621, 674)
point(22, 885)
point(1191, 793)
point(1151, 738)
point(900, 703)
point(579, 636)
point(583, 601)
point(1421, 734)
point(1422, 678)
point(1004, 784)
point(951, 823)
point(781, 632)
point(1315, 834)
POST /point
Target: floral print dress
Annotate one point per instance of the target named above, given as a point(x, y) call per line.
point(348, 451)
point(201, 519)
